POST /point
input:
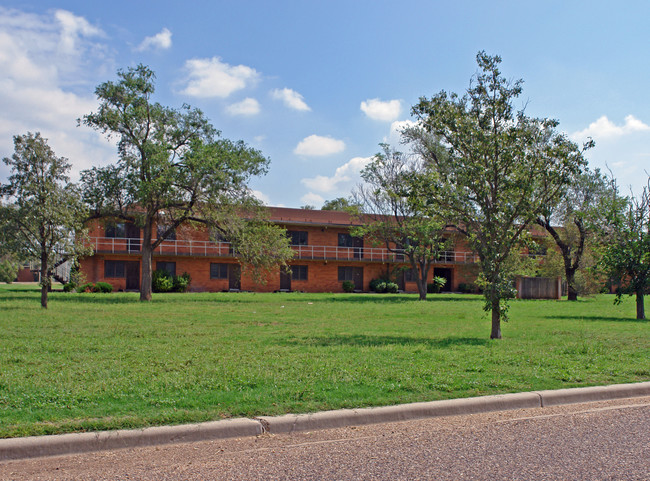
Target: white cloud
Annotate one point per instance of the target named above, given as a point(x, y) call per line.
point(312, 199)
point(346, 175)
point(43, 59)
point(259, 195)
point(386, 111)
point(603, 128)
point(246, 107)
point(72, 28)
point(395, 136)
point(210, 77)
point(291, 98)
point(162, 41)
point(316, 145)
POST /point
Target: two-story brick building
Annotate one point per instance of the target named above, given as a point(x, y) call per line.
point(325, 255)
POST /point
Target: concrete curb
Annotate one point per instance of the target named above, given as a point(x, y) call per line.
point(37, 446)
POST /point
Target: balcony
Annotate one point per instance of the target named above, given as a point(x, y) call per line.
point(198, 248)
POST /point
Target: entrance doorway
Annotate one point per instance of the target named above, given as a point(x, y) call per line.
point(234, 277)
point(446, 273)
point(132, 269)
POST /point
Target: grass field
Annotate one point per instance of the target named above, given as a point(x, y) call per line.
point(106, 361)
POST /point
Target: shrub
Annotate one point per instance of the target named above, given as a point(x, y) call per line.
point(88, 287)
point(103, 287)
point(69, 286)
point(161, 281)
point(181, 283)
point(8, 270)
point(391, 287)
point(437, 284)
point(377, 285)
point(348, 286)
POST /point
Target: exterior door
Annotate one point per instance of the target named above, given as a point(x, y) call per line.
point(285, 280)
point(446, 273)
point(234, 277)
point(358, 247)
point(132, 269)
point(357, 278)
point(133, 237)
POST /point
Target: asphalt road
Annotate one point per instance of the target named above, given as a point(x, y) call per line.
point(593, 441)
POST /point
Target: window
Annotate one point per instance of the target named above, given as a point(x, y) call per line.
point(410, 275)
point(297, 237)
point(298, 273)
point(115, 229)
point(218, 271)
point(114, 269)
point(346, 240)
point(346, 273)
point(160, 230)
point(168, 267)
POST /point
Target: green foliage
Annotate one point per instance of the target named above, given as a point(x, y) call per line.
point(8, 269)
point(181, 283)
point(491, 168)
point(340, 204)
point(392, 217)
point(162, 281)
point(382, 286)
point(437, 284)
point(468, 288)
point(626, 254)
point(43, 220)
point(348, 286)
point(88, 287)
point(103, 287)
point(69, 287)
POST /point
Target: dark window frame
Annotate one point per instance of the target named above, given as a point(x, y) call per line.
point(112, 229)
point(298, 237)
point(218, 270)
point(346, 273)
point(163, 266)
point(114, 269)
point(299, 273)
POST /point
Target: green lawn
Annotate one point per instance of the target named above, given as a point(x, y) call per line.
point(105, 361)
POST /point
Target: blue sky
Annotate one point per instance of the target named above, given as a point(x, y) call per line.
point(317, 85)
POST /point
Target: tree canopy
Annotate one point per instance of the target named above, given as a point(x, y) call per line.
point(174, 168)
point(391, 214)
point(494, 170)
point(626, 255)
point(43, 218)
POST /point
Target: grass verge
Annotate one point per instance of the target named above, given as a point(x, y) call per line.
point(107, 361)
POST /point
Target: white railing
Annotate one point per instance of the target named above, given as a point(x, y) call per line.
point(116, 245)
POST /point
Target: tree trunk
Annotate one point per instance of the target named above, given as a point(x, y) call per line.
point(496, 319)
point(44, 280)
point(147, 254)
point(640, 308)
point(572, 293)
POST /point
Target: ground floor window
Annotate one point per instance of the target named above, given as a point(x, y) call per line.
point(114, 269)
point(410, 275)
point(218, 270)
point(168, 267)
point(299, 273)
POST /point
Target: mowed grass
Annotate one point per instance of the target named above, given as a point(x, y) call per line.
point(107, 361)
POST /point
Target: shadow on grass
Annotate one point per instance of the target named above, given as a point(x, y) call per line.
point(361, 340)
point(599, 318)
point(397, 298)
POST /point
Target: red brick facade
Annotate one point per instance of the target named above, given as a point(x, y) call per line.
point(323, 257)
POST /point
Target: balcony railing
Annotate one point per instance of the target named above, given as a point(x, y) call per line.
point(309, 252)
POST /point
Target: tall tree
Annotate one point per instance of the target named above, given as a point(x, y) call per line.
point(499, 170)
point(572, 221)
point(43, 219)
point(340, 204)
point(173, 168)
point(627, 250)
point(392, 217)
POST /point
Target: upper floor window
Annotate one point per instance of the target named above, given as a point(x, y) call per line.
point(297, 237)
point(115, 229)
point(162, 228)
